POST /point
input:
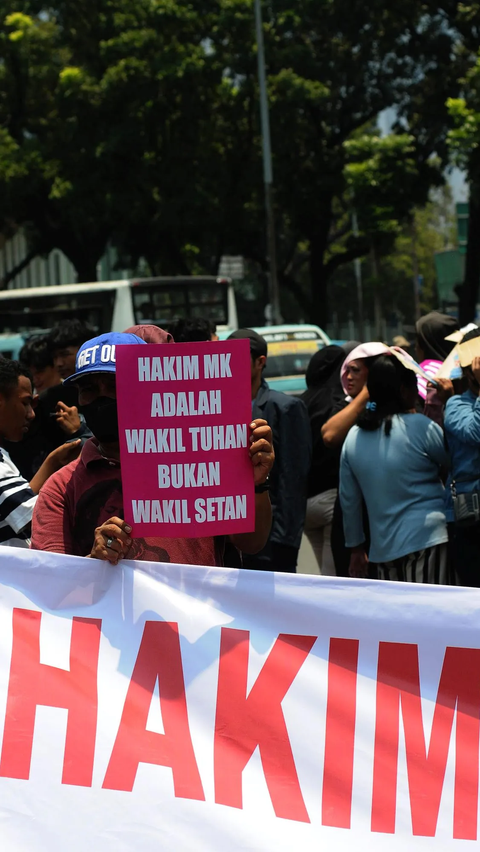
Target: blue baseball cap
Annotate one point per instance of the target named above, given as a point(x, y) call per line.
point(98, 354)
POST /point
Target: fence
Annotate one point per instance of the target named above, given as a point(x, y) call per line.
point(386, 331)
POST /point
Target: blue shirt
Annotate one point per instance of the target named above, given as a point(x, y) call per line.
point(462, 429)
point(399, 478)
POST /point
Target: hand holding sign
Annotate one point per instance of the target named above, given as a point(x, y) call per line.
point(261, 450)
point(112, 541)
point(476, 368)
point(186, 446)
point(444, 389)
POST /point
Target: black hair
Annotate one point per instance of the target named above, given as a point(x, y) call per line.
point(10, 372)
point(72, 332)
point(467, 371)
point(192, 330)
point(36, 353)
point(387, 378)
point(471, 335)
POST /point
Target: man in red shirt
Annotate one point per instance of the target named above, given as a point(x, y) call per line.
point(80, 509)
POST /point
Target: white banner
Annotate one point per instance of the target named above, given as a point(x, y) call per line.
point(190, 709)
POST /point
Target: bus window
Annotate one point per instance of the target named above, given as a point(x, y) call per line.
point(21, 314)
point(159, 300)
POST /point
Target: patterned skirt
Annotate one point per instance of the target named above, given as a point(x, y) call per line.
point(432, 565)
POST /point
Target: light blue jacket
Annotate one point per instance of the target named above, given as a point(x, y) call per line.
point(399, 478)
point(462, 430)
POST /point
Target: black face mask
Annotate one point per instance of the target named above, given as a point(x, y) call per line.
point(102, 419)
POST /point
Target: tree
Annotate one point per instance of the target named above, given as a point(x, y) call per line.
point(434, 227)
point(138, 123)
point(92, 96)
point(333, 67)
point(464, 141)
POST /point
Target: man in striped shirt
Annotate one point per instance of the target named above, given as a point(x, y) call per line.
point(17, 496)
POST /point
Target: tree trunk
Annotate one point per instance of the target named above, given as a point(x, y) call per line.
point(86, 269)
point(319, 279)
point(377, 303)
point(469, 291)
point(84, 260)
point(318, 273)
point(12, 273)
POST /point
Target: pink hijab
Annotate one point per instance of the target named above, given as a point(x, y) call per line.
point(151, 333)
point(365, 350)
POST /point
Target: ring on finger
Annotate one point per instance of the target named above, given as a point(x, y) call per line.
point(110, 542)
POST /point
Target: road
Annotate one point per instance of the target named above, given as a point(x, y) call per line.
point(307, 564)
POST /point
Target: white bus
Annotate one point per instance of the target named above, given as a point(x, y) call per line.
point(117, 305)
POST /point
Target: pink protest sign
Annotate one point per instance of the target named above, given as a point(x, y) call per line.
point(184, 413)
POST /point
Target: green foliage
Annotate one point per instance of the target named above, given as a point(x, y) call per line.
point(138, 123)
point(463, 140)
point(432, 229)
point(464, 137)
point(381, 173)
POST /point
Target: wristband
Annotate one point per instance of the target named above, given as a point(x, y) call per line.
point(265, 486)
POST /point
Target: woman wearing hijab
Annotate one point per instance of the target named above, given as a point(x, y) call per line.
point(432, 329)
point(323, 396)
point(353, 375)
point(432, 350)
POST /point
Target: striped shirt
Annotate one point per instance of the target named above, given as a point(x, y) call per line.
point(16, 505)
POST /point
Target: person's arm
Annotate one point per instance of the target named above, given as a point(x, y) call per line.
point(263, 457)
point(17, 500)
point(71, 422)
point(352, 510)
point(68, 418)
point(290, 474)
point(58, 458)
point(351, 502)
point(436, 398)
point(118, 533)
point(461, 419)
point(337, 428)
point(435, 446)
point(50, 524)
point(254, 542)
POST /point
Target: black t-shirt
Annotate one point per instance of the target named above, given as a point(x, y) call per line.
point(325, 468)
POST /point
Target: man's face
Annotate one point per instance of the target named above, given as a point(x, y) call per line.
point(64, 360)
point(44, 379)
point(258, 365)
point(91, 387)
point(16, 412)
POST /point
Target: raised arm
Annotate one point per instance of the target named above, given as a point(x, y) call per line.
point(263, 457)
point(352, 509)
point(337, 428)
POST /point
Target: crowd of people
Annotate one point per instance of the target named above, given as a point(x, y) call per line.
point(379, 467)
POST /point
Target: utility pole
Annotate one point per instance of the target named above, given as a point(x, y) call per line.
point(357, 263)
point(377, 306)
point(267, 170)
point(416, 276)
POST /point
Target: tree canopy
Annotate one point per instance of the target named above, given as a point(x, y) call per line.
point(137, 124)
